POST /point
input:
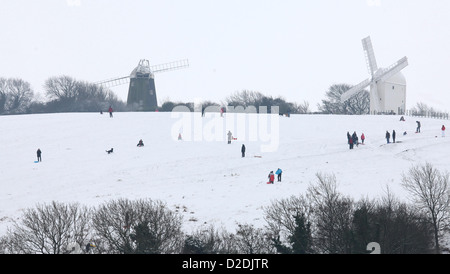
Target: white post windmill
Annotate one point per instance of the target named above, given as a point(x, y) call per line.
point(387, 85)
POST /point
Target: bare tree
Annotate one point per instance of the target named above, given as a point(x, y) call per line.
point(142, 226)
point(429, 189)
point(209, 240)
point(15, 96)
point(422, 109)
point(357, 104)
point(20, 95)
point(302, 108)
point(280, 215)
point(333, 213)
point(49, 229)
point(3, 94)
point(252, 240)
point(61, 88)
point(245, 98)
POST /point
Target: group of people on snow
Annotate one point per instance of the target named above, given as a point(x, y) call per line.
point(388, 136)
point(354, 140)
point(272, 176)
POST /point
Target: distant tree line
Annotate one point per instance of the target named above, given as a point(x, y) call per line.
point(63, 94)
point(320, 221)
point(246, 99)
point(66, 94)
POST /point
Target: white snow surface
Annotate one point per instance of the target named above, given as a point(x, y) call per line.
point(208, 181)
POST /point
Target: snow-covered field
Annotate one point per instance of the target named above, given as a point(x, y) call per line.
point(205, 178)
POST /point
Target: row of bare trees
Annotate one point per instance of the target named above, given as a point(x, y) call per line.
point(63, 94)
point(322, 220)
point(247, 100)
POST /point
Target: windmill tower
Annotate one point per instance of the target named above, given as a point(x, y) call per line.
point(142, 89)
point(387, 85)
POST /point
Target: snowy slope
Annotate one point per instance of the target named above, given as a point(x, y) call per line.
point(206, 180)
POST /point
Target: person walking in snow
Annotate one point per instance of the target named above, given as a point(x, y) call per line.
point(110, 110)
point(230, 136)
point(388, 136)
point(418, 127)
point(243, 150)
point(278, 172)
point(39, 152)
point(348, 137)
point(362, 138)
point(393, 136)
point(443, 130)
point(355, 138)
point(350, 143)
point(271, 177)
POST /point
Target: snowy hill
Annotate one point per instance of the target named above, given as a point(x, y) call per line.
point(207, 180)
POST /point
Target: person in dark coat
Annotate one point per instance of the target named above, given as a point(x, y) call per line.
point(350, 143)
point(39, 152)
point(388, 136)
point(355, 138)
point(418, 127)
point(141, 143)
point(393, 136)
point(243, 151)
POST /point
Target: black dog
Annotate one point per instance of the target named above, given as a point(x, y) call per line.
point(110, 151)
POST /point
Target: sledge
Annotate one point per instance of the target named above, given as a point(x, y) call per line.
point(257, 156)
point(269, 183)
point(234, 138)
point(36, 162)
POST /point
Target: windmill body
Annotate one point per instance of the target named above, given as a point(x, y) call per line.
point(391, 95)
point(387, 85)
point(142, 88)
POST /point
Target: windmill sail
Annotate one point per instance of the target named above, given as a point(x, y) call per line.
point(355, 89)
point(170, 66)
point(370, 56)
point(114, 82)
point(393, 69)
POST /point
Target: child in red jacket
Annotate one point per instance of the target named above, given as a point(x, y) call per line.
point(271, 177)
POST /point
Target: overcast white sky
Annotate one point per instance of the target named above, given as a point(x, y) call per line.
point(290, 48)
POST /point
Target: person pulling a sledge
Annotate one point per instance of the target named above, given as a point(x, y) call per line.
point(39, 152)
point(230, 136)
